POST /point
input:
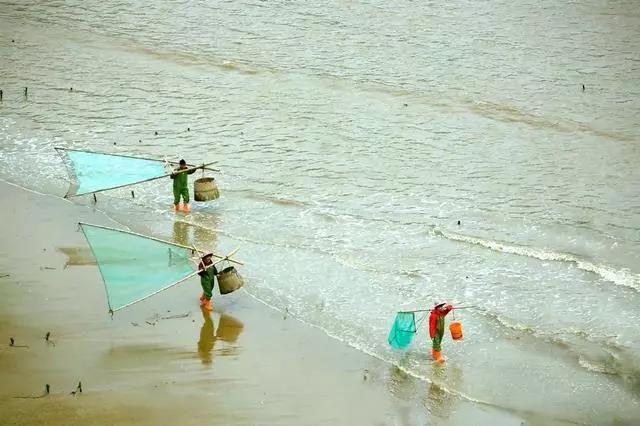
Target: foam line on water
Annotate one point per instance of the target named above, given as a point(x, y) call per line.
point(621, 277)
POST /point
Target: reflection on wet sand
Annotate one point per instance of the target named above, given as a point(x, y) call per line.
point(402, 386)
point(207, 339)
point(438, 401)
point(202, 236)
point(77, 256)
point(181, 233)
point(133, 360)
point(229, 329)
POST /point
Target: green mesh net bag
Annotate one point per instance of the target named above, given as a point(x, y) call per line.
point(403, 330)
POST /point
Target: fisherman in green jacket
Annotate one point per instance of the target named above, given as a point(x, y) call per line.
point(181, 187)
point(207, 272)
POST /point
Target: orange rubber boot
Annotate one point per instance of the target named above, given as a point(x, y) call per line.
point(207, 305)
point(186, 208)
point(176, 207)
point(437, 356)
point(202, 299)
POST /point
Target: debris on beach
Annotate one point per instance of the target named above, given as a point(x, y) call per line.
point(12, 343)
point(47, 338)
point(78, 389)
point(157, 318)
point(176, 316)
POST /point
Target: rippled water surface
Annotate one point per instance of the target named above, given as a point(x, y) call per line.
point(352, 137)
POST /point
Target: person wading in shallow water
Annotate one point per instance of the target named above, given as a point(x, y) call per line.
point(436, 329)
point(181, 187)
point(207, 272)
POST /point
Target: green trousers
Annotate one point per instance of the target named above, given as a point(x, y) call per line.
point(207, 281)
point(177, 192)
point(437, 340)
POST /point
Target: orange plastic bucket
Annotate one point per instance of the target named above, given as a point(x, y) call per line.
point(456, 330)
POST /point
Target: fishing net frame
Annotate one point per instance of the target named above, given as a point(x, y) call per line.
point(105, 274)
point(75, 180)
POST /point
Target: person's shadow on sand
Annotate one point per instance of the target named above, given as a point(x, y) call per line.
point(229, 330)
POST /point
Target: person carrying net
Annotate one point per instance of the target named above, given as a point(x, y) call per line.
point(436, 329)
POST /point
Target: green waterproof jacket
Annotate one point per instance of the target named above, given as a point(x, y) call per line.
point(180, 180)
point(207, 280)
point(208, 276)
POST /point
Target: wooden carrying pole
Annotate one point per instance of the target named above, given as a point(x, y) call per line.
point(220, 258)
point(57, 148)
point(188, 169)
point(428, 310)
point(217, 256)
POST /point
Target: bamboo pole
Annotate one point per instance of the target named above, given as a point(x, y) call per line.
point(140, 181)
point(428, 310)
point(57, 148)
point(160, 241)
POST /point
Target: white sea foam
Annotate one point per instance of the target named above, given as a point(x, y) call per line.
point(622, 277)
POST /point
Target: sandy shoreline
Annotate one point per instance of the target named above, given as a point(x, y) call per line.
point(246, 364)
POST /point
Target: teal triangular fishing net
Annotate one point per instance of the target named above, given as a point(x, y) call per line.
point(135, 267)
point(403, 330)
point(92, 172)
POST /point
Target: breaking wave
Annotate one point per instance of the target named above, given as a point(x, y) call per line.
point(621, 277)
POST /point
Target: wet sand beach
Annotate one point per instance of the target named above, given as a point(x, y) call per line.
point(243, 364)
point(374, 157)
